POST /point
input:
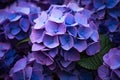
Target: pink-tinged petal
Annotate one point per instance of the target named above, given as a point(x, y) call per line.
point(50, 41)
point(37, 35)
point(57, 16)
point(28, 73)
point(93, 48)
point(53, 28)
point(66, 41)
point(41, 20)
point(74, 7)
point(37, 47)
point(81, 19)
point(80, 45)
point(71, 55)
point(24, 24)
point(43, 58)
point(72, 31)
point(84, 32)
point(20, 65)
point(53, 52)
point(95, 36)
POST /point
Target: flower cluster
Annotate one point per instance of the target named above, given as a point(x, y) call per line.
point(110, 69)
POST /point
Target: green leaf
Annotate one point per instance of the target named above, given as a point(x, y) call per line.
point(23, 41)
point(95, 61)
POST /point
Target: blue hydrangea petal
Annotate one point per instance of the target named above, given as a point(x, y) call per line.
point(84, 32)
point(24, 24)
point(20, 65)
point(72, 31)
point(37, 35)
point(53, 52)
point(104, 72)
point(81, 19)
point(95, 36)
point(69, 19)
point(14, 28)
point(41, 20)
point(93, 48)
point(37, 47)
point(50, 41)
point(111, 3)
point(80, 45)
point(14, 17)
point(112, 58)
point(53, 28)
point(43, 58)
point(66, 41)
point(71, 55)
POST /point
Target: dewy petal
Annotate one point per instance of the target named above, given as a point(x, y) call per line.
point(19, 65)
point(24, 24)
point(14, 17)
point(53, 52)
point(72, 31)
point(37, 47)
point(71, 55)
point(84, 32)
point(57, 16)
point(37, 35)
point(50, 41)
point(53, 28)
point(93, 48)
point(66, 41)
point(69, 19)
point(41, 20)
point(74, 7)
point(43, 58)
point(98, 3)
point(80, 45)
point(81, 19)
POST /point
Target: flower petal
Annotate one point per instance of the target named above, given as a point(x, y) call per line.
point(24, 24)
point(81, 19)
point(50, 41)
point(93, 48)
point(19, 65)
point(53, 28)
point(41, 20)
point(72, 31)
point(80, 45)
point(84, 32)
point(37, 35)
point(66, 41)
